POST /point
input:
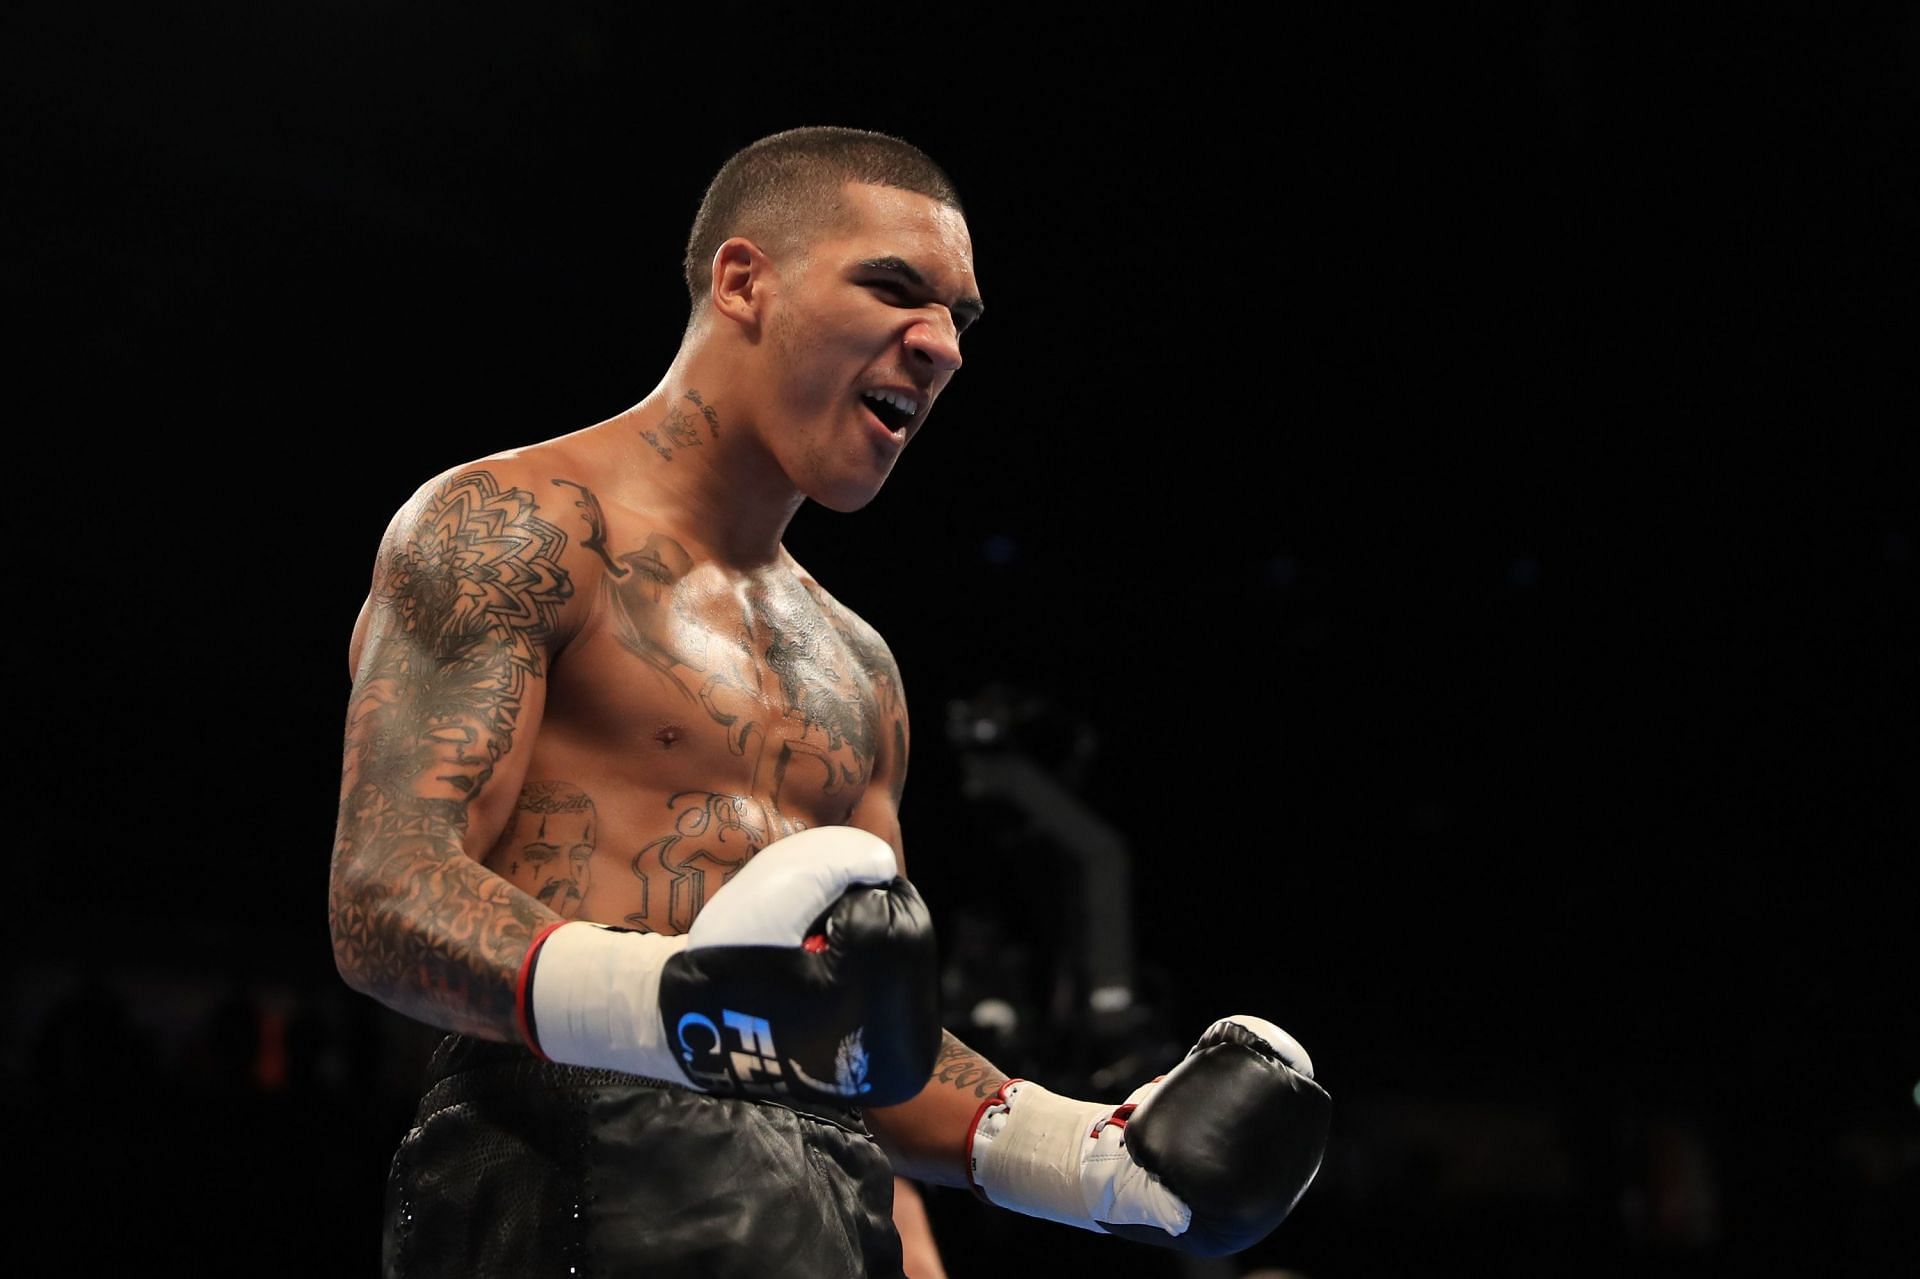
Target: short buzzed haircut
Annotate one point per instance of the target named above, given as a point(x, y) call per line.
point(781, 189)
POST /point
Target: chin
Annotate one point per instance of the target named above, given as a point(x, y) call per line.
point(845, 499)
point(847, 490)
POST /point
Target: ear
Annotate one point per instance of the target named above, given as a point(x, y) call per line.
point(742, 275)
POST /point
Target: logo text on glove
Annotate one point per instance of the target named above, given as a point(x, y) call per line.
point(755, 1064)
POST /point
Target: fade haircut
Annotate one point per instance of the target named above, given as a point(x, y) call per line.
point(781, 190)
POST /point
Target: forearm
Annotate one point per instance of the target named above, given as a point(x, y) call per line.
point(926, 1138)
point(422, 927)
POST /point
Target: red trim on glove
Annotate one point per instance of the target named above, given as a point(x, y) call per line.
point(999, 1098)
point(523, 990)
point(1118, 1118)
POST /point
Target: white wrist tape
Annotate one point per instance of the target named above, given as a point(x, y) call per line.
point(596, 1000)
point(1027, 1157)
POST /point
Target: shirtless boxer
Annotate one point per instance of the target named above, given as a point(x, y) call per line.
point(592, 690)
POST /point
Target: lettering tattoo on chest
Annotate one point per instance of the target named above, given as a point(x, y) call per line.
point(713, 836)
point(463, 608)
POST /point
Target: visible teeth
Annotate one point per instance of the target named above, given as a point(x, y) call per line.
point(900, 402)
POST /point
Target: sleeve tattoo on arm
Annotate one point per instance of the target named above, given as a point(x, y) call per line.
point(464, 607)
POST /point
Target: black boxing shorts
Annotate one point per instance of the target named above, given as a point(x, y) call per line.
point(518, 1167)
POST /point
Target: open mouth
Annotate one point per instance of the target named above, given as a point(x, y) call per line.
point(894, 411)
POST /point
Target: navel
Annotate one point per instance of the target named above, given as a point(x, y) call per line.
point(668, 735)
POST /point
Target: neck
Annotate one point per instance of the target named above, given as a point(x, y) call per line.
point(692, 453)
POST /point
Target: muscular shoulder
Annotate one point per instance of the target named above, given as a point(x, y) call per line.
point(503, 542)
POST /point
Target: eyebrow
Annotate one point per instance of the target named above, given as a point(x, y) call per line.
point(971, 307)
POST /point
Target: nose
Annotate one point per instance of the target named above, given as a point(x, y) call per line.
point(935, 341)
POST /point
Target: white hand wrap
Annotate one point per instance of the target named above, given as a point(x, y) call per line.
point(596, 1000)
point(1063, 1160)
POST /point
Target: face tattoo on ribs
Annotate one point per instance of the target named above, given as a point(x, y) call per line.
point(547, 849)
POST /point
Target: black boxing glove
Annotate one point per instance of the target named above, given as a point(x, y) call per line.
point(1208, 1159)
point(812, 975)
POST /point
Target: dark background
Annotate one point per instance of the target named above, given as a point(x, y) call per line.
point(1442, 487)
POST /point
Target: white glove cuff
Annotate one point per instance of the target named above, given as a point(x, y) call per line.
point(1281, 1042)
point(596, 999)
point(1027, 1156)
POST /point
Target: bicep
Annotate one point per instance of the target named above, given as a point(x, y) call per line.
point(439, 735)
point(454, 643)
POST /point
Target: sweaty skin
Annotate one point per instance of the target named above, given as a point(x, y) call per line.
point(705, 714)
point(591, 683)
point(690, 713)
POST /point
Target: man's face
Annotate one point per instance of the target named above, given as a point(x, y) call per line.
point(549, 855)
point(863, 336)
